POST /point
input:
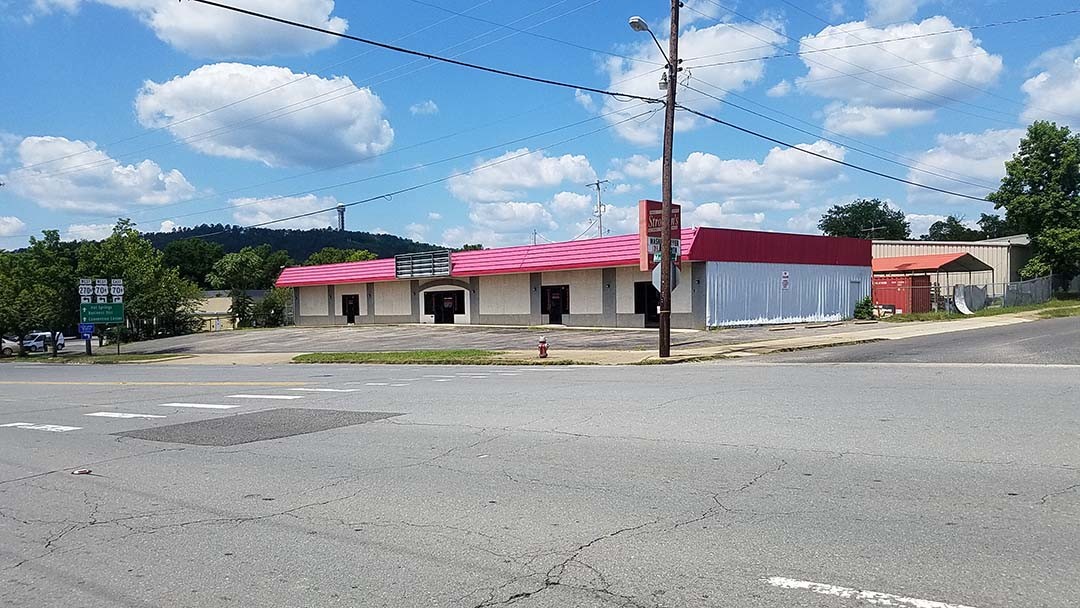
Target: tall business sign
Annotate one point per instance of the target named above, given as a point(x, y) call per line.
point(650, 227)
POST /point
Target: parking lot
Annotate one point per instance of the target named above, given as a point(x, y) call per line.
point(367, 338)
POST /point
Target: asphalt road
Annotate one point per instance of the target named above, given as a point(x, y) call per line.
point(1051, 341)
point(747, 484)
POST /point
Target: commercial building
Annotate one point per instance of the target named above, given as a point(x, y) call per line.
point(728, 277)
point(1004, 258)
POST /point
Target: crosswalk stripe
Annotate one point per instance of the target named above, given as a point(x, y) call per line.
point(282, 397)
point(205, 406)
point(30, 426)
point(122, 415)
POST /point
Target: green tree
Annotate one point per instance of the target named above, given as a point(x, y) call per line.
point(1041, 196)
point(333, 255)
point(242, 307)
point(270, 311)
point(472, 247)
point(865, 219)
point(995, 226)
point(157, 300)
point(952, 228)
point(241, 270)
point(194, 258)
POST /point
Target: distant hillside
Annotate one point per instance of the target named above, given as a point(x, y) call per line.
point(299, 243)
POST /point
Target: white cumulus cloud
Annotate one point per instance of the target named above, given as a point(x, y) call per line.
point(88, 232)
point(11, 225)
point(416, 231)
point(207, 31)
point(425, 108)
point(878, 88)
point(714, 44)
point(571, 202)
point(978, 158)
point(61, 173)
point(721, 215)
point(249, 211)
point(511, 216)
point(1054, 93)
point(879, 12)
point(516, 173)
point(346, 125)
point(782, 174)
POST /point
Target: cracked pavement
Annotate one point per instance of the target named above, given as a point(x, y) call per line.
point(627, 487)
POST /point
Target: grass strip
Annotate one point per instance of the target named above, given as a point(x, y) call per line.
point(986, 312)
point(429, 357)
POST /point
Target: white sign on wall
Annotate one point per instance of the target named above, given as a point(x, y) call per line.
point(785, 281)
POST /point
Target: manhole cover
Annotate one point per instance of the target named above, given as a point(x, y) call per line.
point(256, 426)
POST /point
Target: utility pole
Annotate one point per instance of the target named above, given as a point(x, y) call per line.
point(534, 236)
point(669, 133)
point(599, 203)
point(873, 231)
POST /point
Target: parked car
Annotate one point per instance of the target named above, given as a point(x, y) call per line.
point(9, 347)
point(41, 341)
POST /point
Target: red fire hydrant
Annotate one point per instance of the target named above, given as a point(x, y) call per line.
point(542, 345)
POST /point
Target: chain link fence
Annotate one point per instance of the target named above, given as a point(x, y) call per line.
point(893, 297)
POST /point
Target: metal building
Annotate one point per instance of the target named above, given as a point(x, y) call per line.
point(728, 277)
point(1004, 256)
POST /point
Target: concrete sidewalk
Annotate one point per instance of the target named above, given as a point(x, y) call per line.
point(783, 342)
point(882, 331)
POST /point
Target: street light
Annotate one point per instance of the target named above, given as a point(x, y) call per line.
point(672, 58)
point(639, 25)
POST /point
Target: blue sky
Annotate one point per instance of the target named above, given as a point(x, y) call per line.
point(174, 113)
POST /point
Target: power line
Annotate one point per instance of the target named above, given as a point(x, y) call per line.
point(535, 35)
point(407, 169)
point(390, 195)
point(856, 77)
point(833, 141)
point(273, 115)
point(253, 95)
point(431, 56)
point(828, 158)
point(923, 66)
point(849, 46)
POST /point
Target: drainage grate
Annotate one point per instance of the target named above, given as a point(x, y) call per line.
point(256, 426)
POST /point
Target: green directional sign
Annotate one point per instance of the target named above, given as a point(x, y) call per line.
point(101, 313)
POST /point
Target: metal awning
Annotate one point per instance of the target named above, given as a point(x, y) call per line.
point(943, 262)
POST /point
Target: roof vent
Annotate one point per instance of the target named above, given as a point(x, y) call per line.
point(425, 264)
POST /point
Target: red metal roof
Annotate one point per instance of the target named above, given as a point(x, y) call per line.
point(698, 244)
point(729, 245)
point(940, 262)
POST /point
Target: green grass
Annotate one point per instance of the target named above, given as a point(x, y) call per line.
point(1056, 303)
point(1060, 312)
point(428, 357)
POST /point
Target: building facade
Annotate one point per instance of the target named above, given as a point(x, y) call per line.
point(727, 277)
point(1005, 256)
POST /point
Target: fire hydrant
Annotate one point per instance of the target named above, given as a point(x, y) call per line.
point(542, 345)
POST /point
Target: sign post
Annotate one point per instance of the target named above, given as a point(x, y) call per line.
point(102, 302)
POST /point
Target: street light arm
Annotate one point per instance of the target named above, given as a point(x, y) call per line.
point(659, 46)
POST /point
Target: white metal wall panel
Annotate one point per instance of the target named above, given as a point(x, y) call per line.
point(743, 293)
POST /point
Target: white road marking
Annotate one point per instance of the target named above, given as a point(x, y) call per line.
point(281, 397)
point(509, 374)
point(376, 383)
point(325, 390)
point(122, 415)
point(30, 426)
point(405, 379)
point(204, 406)
point(437, 376)
point(399, 385)
point(871, 597)
point(444, 379)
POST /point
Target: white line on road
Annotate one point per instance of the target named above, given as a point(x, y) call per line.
point(325, 390)
point(847, 593)
point(444, 379)
point(204, 406)
point(437, 376)
point(281, 397)
point(399, 384)
point(376, 383)
point(122, 415)
point(30, 426)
